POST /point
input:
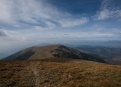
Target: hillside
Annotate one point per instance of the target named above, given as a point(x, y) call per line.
point(52, 51)
point(110, 54)
point(107, 52)
point(115, 61)
point(59, 73)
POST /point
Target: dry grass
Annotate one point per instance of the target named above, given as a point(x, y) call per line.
point(72, 73)
point(52, 51)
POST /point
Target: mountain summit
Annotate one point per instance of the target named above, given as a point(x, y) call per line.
point(52, 51)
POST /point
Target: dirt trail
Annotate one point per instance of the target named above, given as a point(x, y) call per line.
point(35, 72)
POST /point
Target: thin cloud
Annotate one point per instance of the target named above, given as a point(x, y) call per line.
point(6, 16)
point(73, 22)
point(9, 35)
point(41, 13)
point(107, 12)
point(104, 14)
point(90, 34)
point(3, 33)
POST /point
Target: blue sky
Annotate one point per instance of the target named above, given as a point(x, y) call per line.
point(30, 22)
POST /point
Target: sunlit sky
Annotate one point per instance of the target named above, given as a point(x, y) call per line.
point(30, 22)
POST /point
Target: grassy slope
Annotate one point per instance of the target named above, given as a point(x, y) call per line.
point(52, 51)
point(60, 73)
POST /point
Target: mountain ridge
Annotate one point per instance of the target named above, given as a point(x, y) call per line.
point(52, 51)
point(110, 54)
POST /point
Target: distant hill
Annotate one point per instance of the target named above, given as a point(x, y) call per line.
point(52, 51)
point(113, 43)
point(108, 52)
point(111, 54)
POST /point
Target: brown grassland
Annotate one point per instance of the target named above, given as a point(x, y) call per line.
point(59, 73)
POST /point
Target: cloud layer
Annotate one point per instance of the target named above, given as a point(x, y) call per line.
point(39, 21)
point(107, 11)
point(35, 12)
point(40, 13)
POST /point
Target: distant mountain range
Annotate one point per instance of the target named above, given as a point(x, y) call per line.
point(52, 51)
point(113, 43)
point(112, 54)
